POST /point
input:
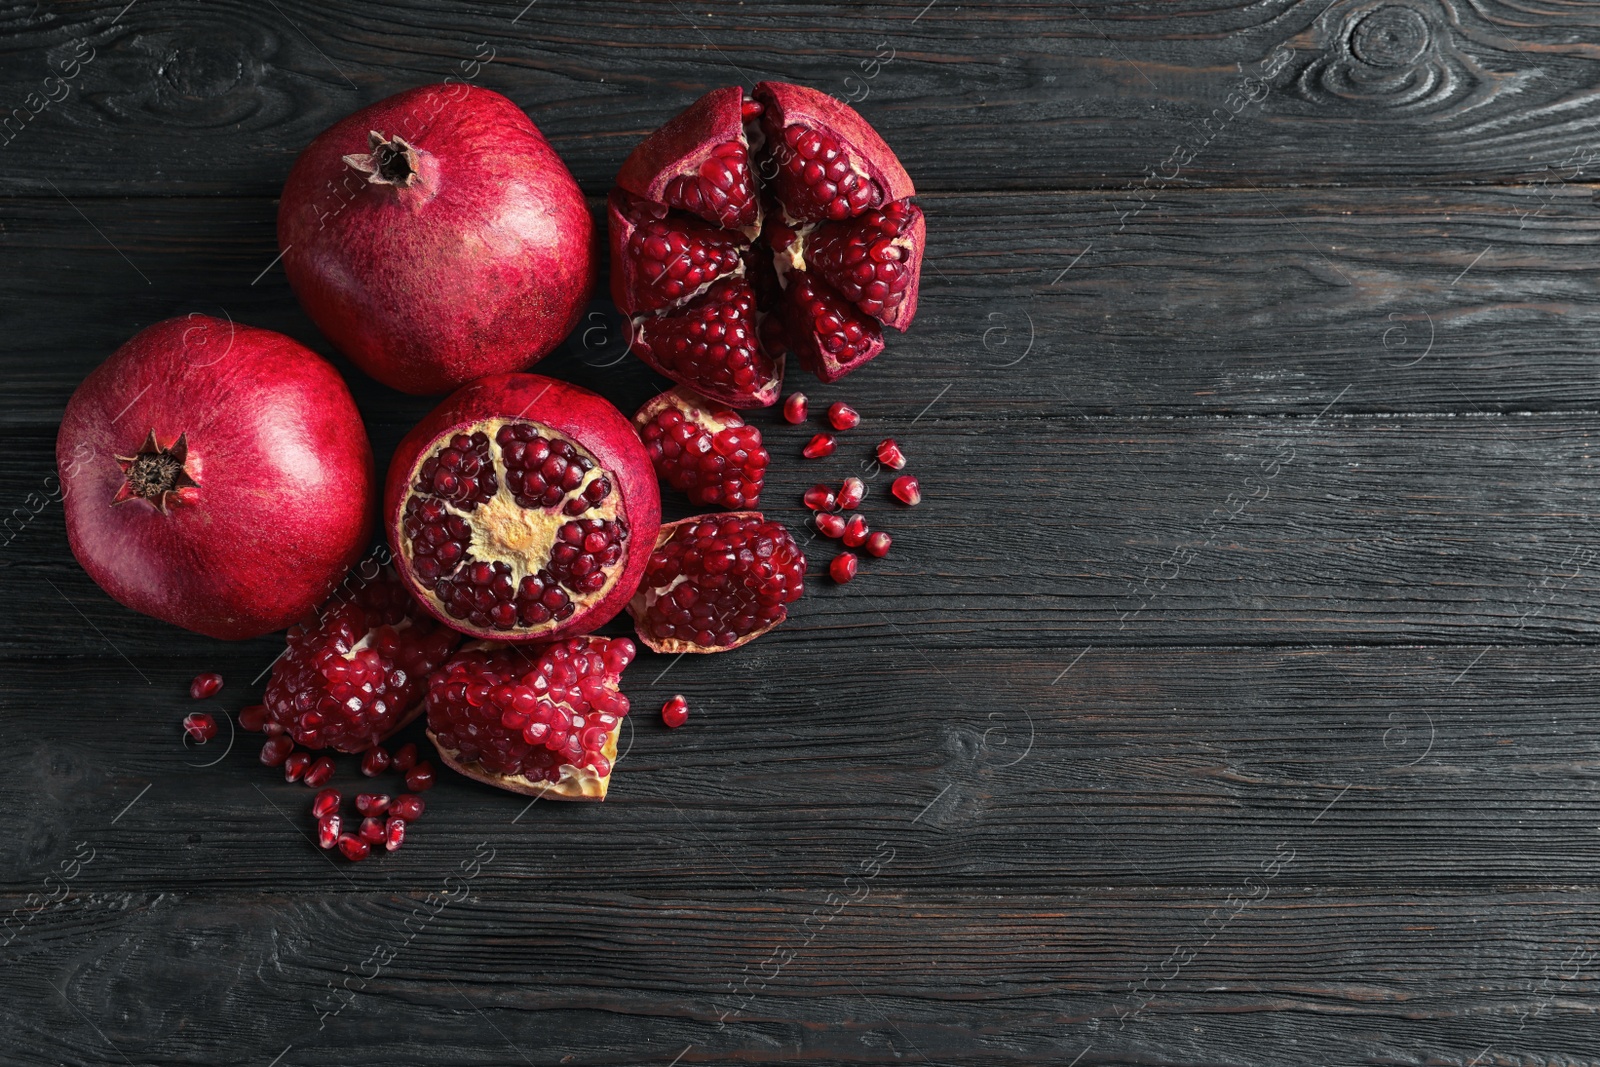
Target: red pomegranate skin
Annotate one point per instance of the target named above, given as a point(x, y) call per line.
point(285, 493)
point(587, 417)
point(482, 265)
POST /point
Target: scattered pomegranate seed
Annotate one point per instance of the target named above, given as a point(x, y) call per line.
point(276, 750)
point(372, 803)
point(675, 712)
point(794, 408)
point(394, 834)
point(821, 445)
point(878, 544)
point(296, 765)
point(328, 830)
point(850, 493)
point(375, 762)
point(820, 498)
point(407, 806)
point(371, 831)
point(420, 778)
point(200, 726)
point(205, 685)
point(890, 455)
point(326, 804)
point(318, 773)
point(253, 718)
point(354, 848)
point(906, 490)
point(855, 532)
point(405, 757)
point(843, 416)
point(843, 567)
point(829, 525)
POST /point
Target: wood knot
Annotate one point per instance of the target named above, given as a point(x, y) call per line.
point(1390, 36)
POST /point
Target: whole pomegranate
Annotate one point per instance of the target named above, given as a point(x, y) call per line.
point(747, 227)
point(216, 476)
point(523, 509)
point(436, 237)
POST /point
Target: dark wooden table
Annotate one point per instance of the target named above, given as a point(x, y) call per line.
point(1229, 700)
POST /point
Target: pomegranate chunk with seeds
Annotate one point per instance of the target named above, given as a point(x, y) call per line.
point(356, 672)
point(542, 722)
point(703, 449)
point(716, 582)
point(675, 712)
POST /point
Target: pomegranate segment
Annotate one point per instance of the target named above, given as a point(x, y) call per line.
point(716, 582)
point(542, 722)
point(699, 162)
point(516, 506)
point(356, 673)
point(664, 257)
point(712, 343)
point(823, 160)
point(874, 261)
point(830, 335)
point(703, 450)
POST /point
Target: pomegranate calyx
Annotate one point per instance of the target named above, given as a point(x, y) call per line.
point(159, 476)
point(388, 162)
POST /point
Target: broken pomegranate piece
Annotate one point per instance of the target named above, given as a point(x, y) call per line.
point(716, 582)
point(703, 450)
point(541, 721)
point(718, 213)
point(357, 671)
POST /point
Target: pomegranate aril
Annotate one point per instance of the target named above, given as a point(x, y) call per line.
point(326, 803)
point(890, 455)
point(907, 490)
point(318, 773)
point(276, 750)
point(820, 498)
point(420, 778)
point(819, 446)
point(372, 803)
point(843, 567)
point(878, 544)
point(296, 765)
point(675, 712)
point(371, 831)
point(205, 685)
point(405, 757)
point(354, 848)
point(328, 830)
point(394, 834)
point(794, 408)
point(407, 806)
point(842, 416)
point(850, 493)
point(253, 718)
point(375, 762)
point(829, 525)
point(855, 532)
point(200, 726)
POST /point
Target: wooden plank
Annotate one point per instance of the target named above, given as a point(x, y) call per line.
point(1100, 95)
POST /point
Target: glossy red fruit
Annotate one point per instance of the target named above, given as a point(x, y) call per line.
point(716, 582)
point(394, 834)
point(407, 806)
point(820, 498)
point(253, 717)
point(205, 685)
point(703, 449)
point(675, 712)
point(522, 508)
point(405, 757)
point(890, 454)
point(842, 416)
point(855, 532)
point(436, 237)
point(906, 489)
point(794, 408)
point(326, 803)
point(215, 476)
point(542, 721)
point(200, 726)
point(356, 672)
point(353, 847)
point(276, 750)
point(371, 831)
point(690, 197)
point(318, 773)
point(328, 827)
point(878, 544)
point(377, 759)
point(843, 567)
point(850, 494)
point(296, 765)
point(823, 444)
point(420, 778)
point(829, 525)
point(372, 803)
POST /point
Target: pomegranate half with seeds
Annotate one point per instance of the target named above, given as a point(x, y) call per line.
point(522, 509)
point(540, 721)
point(744, 228)
point(716, 582)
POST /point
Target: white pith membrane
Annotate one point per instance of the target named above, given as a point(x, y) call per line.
point(504, 531)
point(575, 783)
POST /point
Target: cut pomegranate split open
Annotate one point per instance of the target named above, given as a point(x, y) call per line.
point(522, 509)
point(716, 582)
point(745, 227)
point(540, 721)
point(703, 449)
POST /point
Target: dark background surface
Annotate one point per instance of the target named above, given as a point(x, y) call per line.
point(1228, 700)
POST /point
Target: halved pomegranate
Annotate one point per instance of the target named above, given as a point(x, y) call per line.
point(522, 508)
point(356, 671)
point(717, 285)
point(541, 721)
point(716, 582)
point(702, 449)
